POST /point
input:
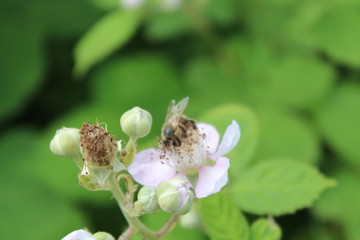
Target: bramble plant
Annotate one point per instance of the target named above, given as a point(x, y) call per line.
point(184, 176)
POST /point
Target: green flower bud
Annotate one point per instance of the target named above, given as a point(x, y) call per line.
point(136, 123)
point(175, 196)
point(146, 201)
point(103, 236)
point(66, 142)
point(190, 220)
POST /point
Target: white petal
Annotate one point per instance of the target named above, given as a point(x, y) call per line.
point(212, 136)
point(212, 178)
point(229, 141)
point(79, 235)
point(148, 170)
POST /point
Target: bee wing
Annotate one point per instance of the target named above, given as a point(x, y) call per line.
point(175, 111)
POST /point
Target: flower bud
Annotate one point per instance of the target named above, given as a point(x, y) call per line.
point(98, 146)
point(190, 220)
point(66, 142)
point(103, 236)
point(175, 196)
point(136, 123)
point(146, 201)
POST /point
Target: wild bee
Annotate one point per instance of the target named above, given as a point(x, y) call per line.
point(177, 127)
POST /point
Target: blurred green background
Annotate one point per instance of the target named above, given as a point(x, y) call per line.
point(291, 67)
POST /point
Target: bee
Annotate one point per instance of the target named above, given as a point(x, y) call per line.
point(177, 127)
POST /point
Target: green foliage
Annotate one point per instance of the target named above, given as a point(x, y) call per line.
point(285, 135)
point(335, 32)
point(168, 25)
point(287, 71)
point(265, 229)
point(341, 204)
point(25, 198)
point(221, 218)
point(279, 186)
point(22, 64)
point(339, 119)
point(108, 34)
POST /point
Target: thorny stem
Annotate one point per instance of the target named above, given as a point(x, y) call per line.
point(135, 224)
point(127, 234)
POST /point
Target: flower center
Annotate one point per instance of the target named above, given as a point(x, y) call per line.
point(189, 156)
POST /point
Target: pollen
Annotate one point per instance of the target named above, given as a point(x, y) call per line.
point(98, 146)
point(190, 155)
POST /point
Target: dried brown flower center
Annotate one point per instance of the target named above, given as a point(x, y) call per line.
point(98, 146)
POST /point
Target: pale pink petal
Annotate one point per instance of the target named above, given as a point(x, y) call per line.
point(212, 178)
point(79, 235)
point(148, 170)
point(212, 136)
point(229, 141)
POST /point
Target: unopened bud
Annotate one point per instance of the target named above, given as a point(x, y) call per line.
point(136, 123)
point(98, 146)
point(103, 236)
point(146, 201)
point(190, 220)
point(66, 142)
point(175, 196)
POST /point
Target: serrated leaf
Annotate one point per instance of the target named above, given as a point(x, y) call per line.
point(339, 119)
point(279, 187)
point(265, 229)
point(108, 34)
point(221, 117)
point(222, 219)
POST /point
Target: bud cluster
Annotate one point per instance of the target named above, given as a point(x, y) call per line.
point(174, 196)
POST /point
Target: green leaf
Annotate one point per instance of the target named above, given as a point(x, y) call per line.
point(108, 34)
point(265, 229)
point(221, 118)
point(336, 33)
point(339, 119)
point(222, 219)
point(285, 135)
point(279, 187)
point(341, 204)
point(289, 78)
point(300, 79)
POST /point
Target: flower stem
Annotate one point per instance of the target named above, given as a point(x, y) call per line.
point(134, 222)
point(127, 234)
point(168, 226)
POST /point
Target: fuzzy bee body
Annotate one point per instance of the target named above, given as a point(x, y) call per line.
point(177, 127)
